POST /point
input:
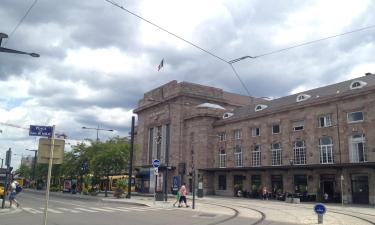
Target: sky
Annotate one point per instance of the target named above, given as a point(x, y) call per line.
point(97, 60)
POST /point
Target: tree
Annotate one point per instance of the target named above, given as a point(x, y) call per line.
point(24, 171)
point(110, 157)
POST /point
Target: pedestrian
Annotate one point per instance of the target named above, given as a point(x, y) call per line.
point(264, 193)
point(183, 193)
point(177, 198)
point(325, 197)
point(13, 193)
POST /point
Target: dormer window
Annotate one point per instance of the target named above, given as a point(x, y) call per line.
point(303, 97)
point(260, 107)
point(357, 84)
point(227, 115)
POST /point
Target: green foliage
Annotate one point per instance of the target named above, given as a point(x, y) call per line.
point(24, 171)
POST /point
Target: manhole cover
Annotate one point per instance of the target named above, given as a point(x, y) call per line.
point(207, 215)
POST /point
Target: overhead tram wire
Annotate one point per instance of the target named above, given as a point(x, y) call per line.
point(184, 40)
point(161, 28)
point(315, 41)
point(239, 59)
point(20, 22)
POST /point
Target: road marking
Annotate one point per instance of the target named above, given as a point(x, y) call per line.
point(31, 210)
point(69, 210)
point(100, 209)
point(86, 210)
point(117, 209)
point(52, 210)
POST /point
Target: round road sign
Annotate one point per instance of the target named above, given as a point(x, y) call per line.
point(156, 163)
point(320, 208)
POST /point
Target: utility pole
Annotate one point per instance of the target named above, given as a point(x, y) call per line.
point(130, 174)
point(34, 161)
point(8, 159)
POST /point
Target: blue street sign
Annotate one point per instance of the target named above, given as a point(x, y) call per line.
point(156, 163)
point(176, 183)
point(44, 131)
point(320, 208)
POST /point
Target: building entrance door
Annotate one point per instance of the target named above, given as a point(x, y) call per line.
point(360, 189)
point(327, 187)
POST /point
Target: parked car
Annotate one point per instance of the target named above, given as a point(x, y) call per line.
point(1, 190)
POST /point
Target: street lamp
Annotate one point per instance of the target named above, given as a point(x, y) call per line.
point(34, 161)
point(8, 50)
point(97, 131)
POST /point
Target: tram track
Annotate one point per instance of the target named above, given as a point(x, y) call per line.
point(259, 221)
point(348, 213)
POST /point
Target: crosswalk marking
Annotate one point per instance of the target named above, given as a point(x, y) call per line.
point(101, 209)
point(31, 210)
point(60, 210)
point(116, 209)
point(86, 210)
point(52, 210)
point(69, 210)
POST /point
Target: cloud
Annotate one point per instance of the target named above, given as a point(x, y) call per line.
point(97, 60)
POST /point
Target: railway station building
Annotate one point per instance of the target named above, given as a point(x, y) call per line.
point(310, 144)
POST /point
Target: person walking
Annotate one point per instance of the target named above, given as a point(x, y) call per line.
point(13, 193)
point(264, 193)
point(183, 193)
point(177, 198)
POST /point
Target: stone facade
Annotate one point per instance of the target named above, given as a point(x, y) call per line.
point(302, 163)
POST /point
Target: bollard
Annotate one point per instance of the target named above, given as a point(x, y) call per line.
point(320, 218)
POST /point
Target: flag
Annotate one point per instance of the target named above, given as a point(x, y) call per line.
point(161, 64)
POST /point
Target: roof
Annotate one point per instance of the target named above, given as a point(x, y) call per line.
point(334, 90)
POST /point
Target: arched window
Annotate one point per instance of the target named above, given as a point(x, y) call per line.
point(222, 158)
point(326, 150)
point(238, 156)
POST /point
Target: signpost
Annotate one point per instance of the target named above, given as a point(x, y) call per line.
point(46, 151)
point(320, 209)
point(156, 164)
point(44, 131)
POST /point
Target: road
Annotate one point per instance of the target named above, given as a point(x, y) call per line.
point(68, 209)
point(65, 210)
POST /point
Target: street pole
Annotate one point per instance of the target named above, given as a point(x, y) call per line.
point(97, 134)
point(130, 174)
point(7, 163)
point(35, 151)
point(49, 173)
point(342, 191)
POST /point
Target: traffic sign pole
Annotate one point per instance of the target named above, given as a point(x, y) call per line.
point(49, 173)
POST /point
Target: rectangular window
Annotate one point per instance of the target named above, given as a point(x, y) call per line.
point(276, 154)
point(255, 131)
point(222, 136)
point(255, 155)
point(354, 117)
point(238, 156)
point(222, 182)
point(238, 134)
point(298, 125)
point(326, 150)
point(325, 121)
point(357, 148)
point(222, 159)
point(299, 151)
point(275, 128)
